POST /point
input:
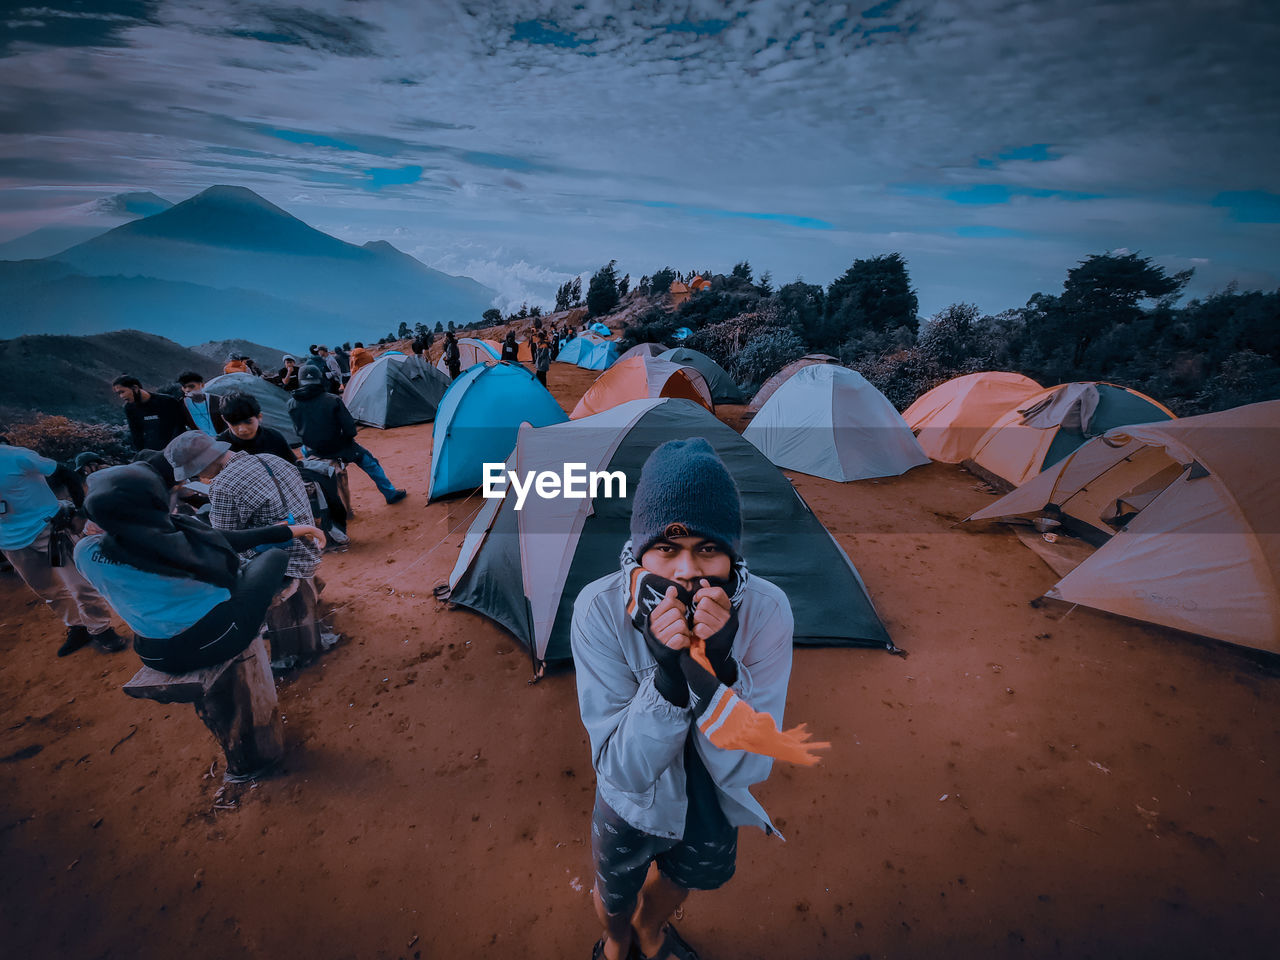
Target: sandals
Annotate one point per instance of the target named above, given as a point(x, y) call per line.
point(674, 947)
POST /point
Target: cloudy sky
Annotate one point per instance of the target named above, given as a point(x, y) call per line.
point(992, 142)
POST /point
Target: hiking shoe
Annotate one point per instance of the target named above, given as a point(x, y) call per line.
point(336, 535)
point(77, 637)
point(109, 641)
point(397, 496)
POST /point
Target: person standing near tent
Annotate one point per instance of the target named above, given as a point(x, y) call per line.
point(342, 354)
point(202, 410)
point(360, 357)
point(153, 418)
point(327, 429)
point(332, 372)
point(34, 533)
point(452, 356)
point(541, 356)
point(510, 349)
point(668, 651)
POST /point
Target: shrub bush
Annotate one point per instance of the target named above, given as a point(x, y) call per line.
point(60, 438)
point(765, 355)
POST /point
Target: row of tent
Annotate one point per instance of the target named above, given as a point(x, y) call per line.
point(1181, 512)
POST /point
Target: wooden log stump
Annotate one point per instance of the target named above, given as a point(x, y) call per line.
point(237, 702)
point(293, 626)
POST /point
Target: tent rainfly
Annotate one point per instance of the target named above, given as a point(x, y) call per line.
point(395, 391)
point(643, 350)
point(1046, 427)
point(589, 352)
point(828, 421)
point(478, 419)
point(951, 418)
point(782, 376)
point(642, 377)
point(723, 389)
point(273, 400)
point(524, 568)
point(1187, 517)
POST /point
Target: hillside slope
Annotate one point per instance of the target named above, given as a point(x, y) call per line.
point(72, 376)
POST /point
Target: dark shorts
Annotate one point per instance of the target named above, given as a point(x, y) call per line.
point(704, 860)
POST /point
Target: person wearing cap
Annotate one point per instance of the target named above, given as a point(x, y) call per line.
point(327, 429)
point(289, 372)
point(666, 792)
point(179, 584)
point(248, 491)
point(510, 349)
point(154, 419)
point(30, 539)
point(452, 356)
point(360, 357)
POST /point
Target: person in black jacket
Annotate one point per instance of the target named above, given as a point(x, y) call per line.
point(246, 432)
point(154, 419)
point(510, 349)
point(329, 432)
point(452, 356)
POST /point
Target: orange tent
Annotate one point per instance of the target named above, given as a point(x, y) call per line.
point(951, 418)
point(1187, 518)
point(642, 377)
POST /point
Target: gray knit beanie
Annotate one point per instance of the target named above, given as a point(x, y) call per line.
point(685, 491)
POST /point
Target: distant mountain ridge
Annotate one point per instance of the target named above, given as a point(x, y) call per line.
point(81, 223)
point(229, 264)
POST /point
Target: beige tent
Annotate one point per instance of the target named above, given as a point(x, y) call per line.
point(951, 418)
point(1188, 518)
point(642, 377)
point(782, 376)
point(1048, 426)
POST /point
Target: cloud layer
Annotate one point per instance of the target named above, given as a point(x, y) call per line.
point(992, 143)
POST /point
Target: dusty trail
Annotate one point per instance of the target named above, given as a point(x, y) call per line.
point(1023, 785)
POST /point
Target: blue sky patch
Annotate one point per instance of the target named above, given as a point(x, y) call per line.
point(1250, 206)
point(546, 33)
point(979, 231)
point(392, 177)
point(808, 223)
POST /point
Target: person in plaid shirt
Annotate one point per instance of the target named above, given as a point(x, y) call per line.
point(247, 491)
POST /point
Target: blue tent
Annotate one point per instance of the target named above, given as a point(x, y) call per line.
point(682, 333)
point(601, 329)
point(589, 354)
point(478, 419)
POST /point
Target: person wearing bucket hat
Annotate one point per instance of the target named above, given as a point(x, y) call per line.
point(248, 491)
point(678, 643)
point(328, 430)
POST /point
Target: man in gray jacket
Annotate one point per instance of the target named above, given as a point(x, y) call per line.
point(666, 790)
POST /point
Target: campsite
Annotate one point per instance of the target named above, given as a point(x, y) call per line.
point(1028, 780)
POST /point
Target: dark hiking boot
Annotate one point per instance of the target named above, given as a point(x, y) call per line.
point(77, 637)
point(109, 641)
point(397, 496)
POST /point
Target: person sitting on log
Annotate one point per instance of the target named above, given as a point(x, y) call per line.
point(179, 584)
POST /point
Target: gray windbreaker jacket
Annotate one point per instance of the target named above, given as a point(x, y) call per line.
point(637, 736)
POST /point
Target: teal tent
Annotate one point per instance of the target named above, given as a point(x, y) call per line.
point(273, 400)
point(723, 389)
point(477, 421)
point(524, 568)
point(394, 391)
point(589, 353)
point(683, 333)
point(601, 329)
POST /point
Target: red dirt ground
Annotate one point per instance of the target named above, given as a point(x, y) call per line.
point(1028, 783)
